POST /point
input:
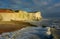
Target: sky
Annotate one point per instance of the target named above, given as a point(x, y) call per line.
point(48, 8)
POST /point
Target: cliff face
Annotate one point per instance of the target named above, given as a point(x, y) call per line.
point(21, 15)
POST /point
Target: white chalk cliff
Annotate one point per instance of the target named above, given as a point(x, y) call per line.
point(21, 15)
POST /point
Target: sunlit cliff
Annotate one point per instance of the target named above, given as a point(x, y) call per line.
point(21, 15)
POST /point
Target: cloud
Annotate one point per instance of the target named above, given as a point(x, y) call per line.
point(15, 1)
point(56, 5)
point(44, 3)
point(40, 2)
point(20, 4)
